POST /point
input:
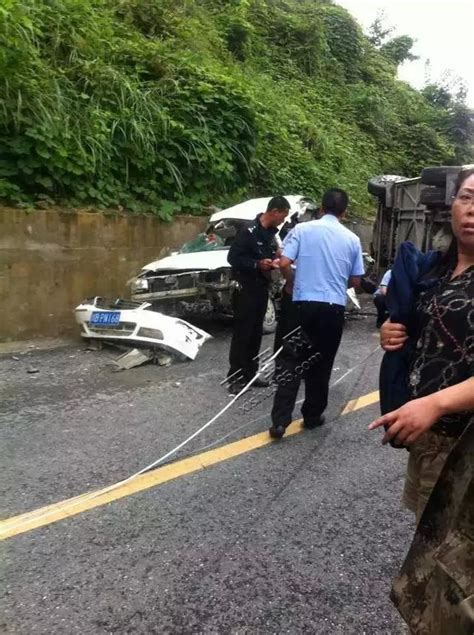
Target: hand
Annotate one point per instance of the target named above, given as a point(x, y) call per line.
point(265, 264)
point(288, 288)
point(409, 422)
point(392, 336)
point(276, 263)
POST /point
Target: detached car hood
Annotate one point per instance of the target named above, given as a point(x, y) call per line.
point(209, 260)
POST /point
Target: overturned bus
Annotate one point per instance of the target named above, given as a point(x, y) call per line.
point(414, 209)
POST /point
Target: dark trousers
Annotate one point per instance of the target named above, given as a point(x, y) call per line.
point(249, 305)
point(381, 306)
point(322, 324)
point(286, 320)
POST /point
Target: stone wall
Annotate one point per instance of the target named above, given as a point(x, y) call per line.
point(50, 260)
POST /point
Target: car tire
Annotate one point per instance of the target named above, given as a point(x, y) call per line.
point(377, 185)
point(270, 319)
point(433, 196)
point(434, 176)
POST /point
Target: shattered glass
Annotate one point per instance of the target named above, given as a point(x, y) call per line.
point(202, 242)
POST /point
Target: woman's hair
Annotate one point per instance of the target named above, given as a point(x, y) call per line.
point(448, 260)
point(450, 257)
point(462, 176)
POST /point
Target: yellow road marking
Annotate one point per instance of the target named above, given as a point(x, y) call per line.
point(361, 402)
point(73, 506)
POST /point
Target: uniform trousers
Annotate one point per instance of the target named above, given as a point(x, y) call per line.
point(322, 324)
point(286, 320)
point(249, 304)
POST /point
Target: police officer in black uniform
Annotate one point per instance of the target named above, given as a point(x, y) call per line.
point(252, 255)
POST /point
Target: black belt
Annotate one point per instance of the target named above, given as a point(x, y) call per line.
point(258, 280)
point(326, 305)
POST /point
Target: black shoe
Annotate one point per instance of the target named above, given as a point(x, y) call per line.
point(234, 387)
point(260, 382)
point(315, 423)
point(276, 432)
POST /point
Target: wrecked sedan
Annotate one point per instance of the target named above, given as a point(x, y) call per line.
point(197, 277)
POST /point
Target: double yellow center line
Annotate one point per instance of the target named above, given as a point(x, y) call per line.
point(71, 507)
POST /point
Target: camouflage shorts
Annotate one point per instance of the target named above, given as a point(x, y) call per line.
point(434, 590)
point(427, 457)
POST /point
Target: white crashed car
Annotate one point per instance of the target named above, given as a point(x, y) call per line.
point(196, 279)
point(134, 324)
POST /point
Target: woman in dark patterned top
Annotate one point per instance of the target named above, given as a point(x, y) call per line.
point(442, 371)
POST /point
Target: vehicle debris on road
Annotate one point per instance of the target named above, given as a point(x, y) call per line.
point(137, 357)
point(150, 335)
point(132, 358)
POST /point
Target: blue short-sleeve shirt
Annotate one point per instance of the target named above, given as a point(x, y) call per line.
point(326, 254)
point(384, 282)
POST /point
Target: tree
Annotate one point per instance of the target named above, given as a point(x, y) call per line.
point(437, 95)
point(398, 49)
point(453, 116)
point(377, 31)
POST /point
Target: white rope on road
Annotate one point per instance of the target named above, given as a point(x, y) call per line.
point(249, 423)
point(79, 500)
point(211, 421)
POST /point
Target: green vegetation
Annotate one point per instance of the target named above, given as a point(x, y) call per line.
point(169, 105)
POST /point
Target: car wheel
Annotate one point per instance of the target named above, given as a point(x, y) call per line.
point(270, 319)
point(377, 185)
point(434, 176)
point(433, 196)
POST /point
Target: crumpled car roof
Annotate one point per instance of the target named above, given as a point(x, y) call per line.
point(248, 210)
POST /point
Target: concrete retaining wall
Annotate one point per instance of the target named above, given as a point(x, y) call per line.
point(51, 260)
point(364, 229)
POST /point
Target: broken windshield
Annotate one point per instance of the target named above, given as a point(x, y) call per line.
point(202, 242)
point(218, 235)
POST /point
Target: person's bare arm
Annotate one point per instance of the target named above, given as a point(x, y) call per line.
point(408, 423)
point(354, 281)
point(458, 398)
point(287, 272)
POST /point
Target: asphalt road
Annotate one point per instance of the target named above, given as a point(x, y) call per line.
point(298, 536)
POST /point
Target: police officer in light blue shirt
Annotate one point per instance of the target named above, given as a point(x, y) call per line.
point(328, 259)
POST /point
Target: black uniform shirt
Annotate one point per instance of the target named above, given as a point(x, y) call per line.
point(250, 245)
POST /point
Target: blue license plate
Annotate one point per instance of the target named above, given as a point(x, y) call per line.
point(105, 318)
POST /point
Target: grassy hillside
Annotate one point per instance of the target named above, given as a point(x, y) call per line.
point(168, 105)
